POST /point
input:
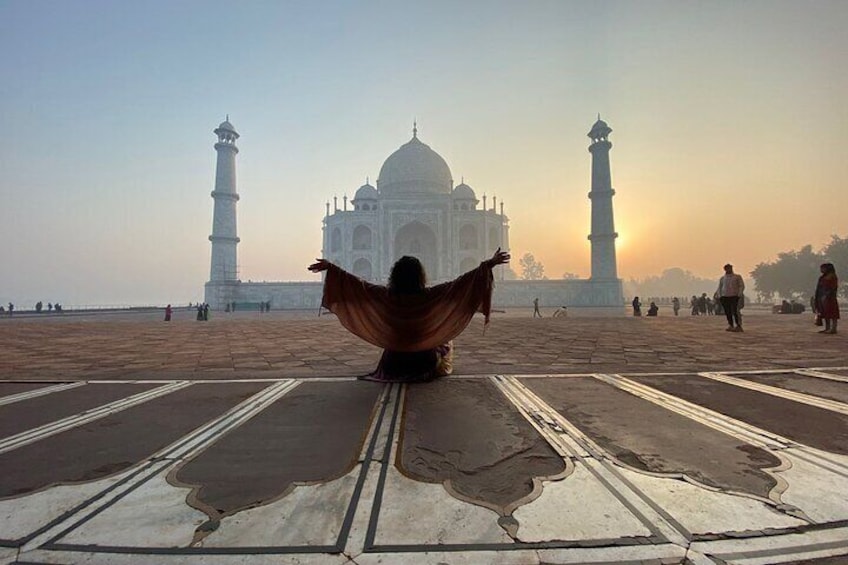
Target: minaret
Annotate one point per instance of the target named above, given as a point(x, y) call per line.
point(224, 239)
point(603, 228)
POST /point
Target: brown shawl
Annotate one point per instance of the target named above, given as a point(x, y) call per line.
point(408, 322)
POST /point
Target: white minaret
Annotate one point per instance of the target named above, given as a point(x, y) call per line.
point(224, 237)
point(603, 228)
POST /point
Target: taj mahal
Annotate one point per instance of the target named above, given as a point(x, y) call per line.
point(415, 209)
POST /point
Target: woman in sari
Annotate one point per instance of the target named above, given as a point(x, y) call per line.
point(827, 305)
point(413, 323)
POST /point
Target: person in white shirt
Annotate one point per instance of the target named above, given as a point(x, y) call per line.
point(730, 288)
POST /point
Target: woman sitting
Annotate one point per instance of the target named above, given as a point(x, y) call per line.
point(414, 324)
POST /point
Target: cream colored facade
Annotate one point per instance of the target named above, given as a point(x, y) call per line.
point(416, 210)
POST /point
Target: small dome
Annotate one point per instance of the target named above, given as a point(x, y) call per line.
point(366, 192)
point(600, 129)
point(414, 168)
point(463, 192)
point(226, 126)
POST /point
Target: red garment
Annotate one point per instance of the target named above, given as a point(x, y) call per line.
point(408, 322)
point(826, 301)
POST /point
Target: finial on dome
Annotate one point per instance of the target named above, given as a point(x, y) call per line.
point(463, 180)
point(228, 118)
point(599, 116)
point(367, 180)
point(415, 129)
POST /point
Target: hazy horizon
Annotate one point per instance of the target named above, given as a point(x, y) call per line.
point(729, 127)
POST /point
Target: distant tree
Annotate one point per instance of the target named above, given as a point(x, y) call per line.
point(673, 281)
point(836, 252)
point(570, 276)
point(509, 274)
point(793, 275)
point(531, 270)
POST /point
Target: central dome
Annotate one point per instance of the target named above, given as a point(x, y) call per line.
point(414, 168)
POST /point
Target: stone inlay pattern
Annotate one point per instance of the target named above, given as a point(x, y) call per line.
point(313, 434)
point(500, 445)
point(637, 434)
point(466, 435)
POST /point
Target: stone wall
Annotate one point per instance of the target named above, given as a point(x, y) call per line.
point(574, 293)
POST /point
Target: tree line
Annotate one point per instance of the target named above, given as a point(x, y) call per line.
point(793, 274)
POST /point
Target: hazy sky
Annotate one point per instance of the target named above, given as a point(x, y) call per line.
point(730, 128)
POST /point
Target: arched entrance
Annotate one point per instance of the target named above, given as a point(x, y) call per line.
point(362, 268)
point(419, 241)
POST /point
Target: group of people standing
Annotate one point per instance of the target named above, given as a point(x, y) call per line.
point(729, 299)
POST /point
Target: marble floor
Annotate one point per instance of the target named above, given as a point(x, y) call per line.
point(723, 464)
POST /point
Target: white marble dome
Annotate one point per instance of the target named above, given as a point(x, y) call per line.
point(414, 169)
point(366, 192)
point(464, 192)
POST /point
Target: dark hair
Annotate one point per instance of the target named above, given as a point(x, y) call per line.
point(828, 268)
point(407, 276)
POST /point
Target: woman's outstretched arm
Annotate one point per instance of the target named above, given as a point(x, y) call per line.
point(319, 265)
point(499, 258)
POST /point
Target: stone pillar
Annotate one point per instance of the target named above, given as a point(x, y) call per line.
point(224, 236)
point(223, 273)
point(603, 227)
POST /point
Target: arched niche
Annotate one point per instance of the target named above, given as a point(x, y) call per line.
point(336, 240)
point(362, 269)
point(418, 240)
point(362, 238)
point(494, 239)
point(468, 237)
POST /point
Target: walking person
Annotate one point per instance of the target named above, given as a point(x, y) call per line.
point(413, 323)
point(675, 305)
point(168, 312)
point(827, 304)
point(536, 310)
point(730, 288)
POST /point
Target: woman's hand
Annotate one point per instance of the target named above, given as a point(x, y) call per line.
point(319, 265)
point(499, 258)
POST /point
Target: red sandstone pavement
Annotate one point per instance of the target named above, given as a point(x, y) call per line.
point(280, 344)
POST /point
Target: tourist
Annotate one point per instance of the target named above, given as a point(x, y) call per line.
point(637, 307)
point(560, 312)
point(11, 308)
point(168, 313)
point(653, 309)
point(413, 324)
point(702, 304)
point(199, 312)
point(827, 305)
point(730, 287)
point(675, 305)
point(536, 307)
point(693, 303)
point(206, 312)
